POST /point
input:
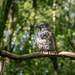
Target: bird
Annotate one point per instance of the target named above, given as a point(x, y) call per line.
point(45, 41)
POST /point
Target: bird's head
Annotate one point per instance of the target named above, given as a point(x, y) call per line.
point(43, 26)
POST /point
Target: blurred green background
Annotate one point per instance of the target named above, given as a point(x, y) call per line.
point(18, 34)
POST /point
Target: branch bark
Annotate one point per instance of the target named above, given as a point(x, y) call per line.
point(36, 55)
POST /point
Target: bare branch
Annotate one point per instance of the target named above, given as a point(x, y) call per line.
point(36, 55)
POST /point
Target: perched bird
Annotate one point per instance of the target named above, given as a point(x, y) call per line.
point(46, 41)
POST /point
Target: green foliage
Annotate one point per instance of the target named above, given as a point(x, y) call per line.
point(24, 36)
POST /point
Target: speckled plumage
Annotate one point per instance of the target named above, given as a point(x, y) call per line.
point(46, 41)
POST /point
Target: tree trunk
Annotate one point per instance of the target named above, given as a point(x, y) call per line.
point(54, 19)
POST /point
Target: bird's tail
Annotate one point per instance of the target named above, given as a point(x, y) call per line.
point(55, 64)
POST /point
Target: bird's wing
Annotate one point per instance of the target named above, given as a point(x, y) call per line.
point(54, 40)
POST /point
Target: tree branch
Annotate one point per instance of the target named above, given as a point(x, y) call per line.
point(36, 55)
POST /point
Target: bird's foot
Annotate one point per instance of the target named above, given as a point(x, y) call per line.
point(51, 51)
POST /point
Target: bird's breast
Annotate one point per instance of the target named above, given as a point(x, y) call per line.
point(43, 44)
point(45, 41)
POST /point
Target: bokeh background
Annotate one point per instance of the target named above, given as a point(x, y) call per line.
point(18, 34)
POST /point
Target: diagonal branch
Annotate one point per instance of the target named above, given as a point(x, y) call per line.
point(36, 55)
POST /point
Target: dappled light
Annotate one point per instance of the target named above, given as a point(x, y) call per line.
point(18, 36)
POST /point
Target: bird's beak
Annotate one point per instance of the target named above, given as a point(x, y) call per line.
point(36, 26)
